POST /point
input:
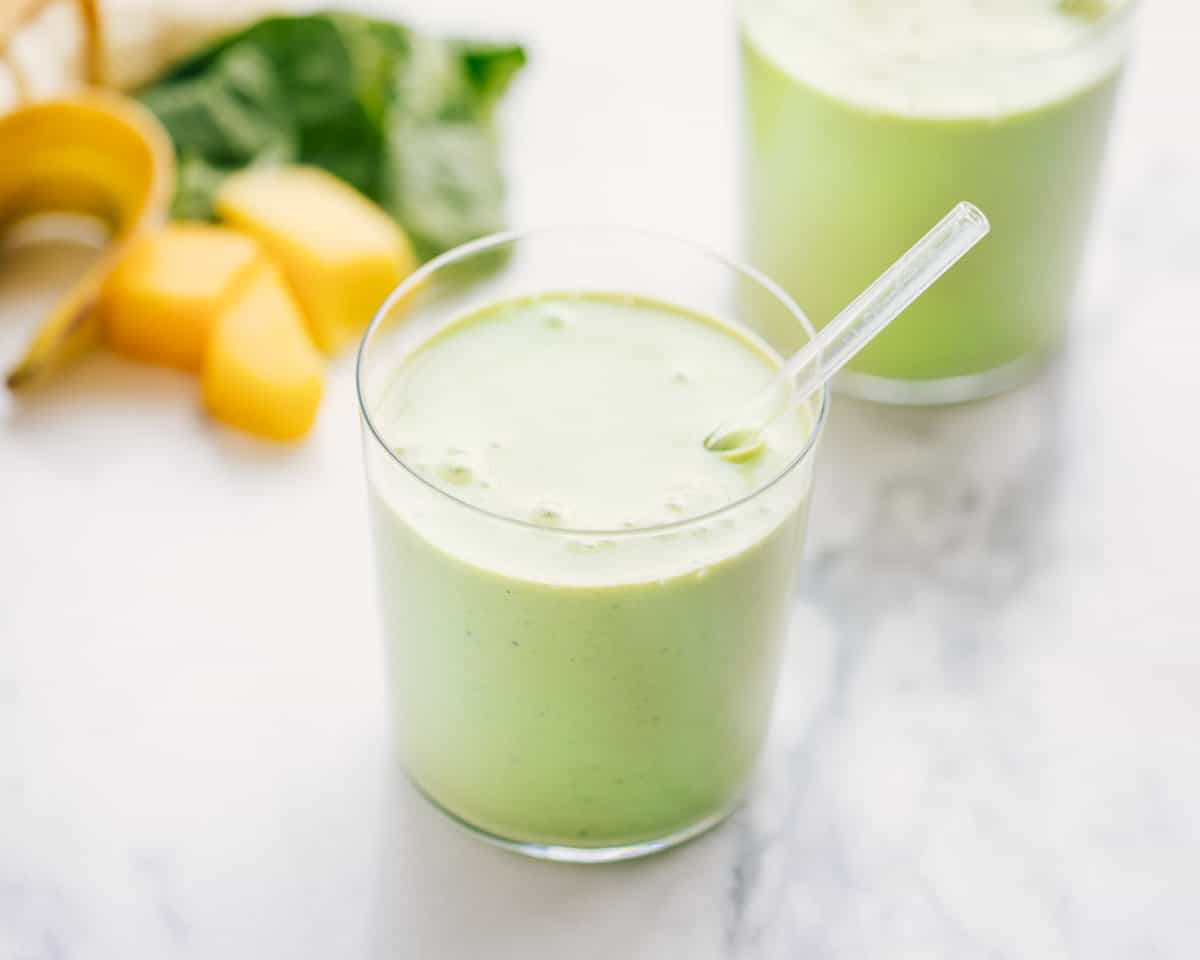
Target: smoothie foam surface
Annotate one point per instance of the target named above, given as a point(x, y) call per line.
point(939, 58)
point(583, 415)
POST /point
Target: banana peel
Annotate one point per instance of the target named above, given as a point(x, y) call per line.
point(97, 154)
point(16, 14)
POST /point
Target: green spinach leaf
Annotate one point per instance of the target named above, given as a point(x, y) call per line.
point(406, 118)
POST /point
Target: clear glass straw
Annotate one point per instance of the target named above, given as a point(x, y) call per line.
point(817, 361)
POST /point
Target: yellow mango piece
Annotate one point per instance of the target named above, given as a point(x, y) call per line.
point(341, 254)
point(160, 303)
point(261, 371)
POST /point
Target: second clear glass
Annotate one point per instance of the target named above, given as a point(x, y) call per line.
point(865, 121)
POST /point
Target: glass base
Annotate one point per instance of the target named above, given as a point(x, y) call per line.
point(567, 854)
point(925, 393)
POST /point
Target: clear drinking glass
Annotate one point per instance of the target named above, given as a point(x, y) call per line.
point(581, 695)
point(855, 142)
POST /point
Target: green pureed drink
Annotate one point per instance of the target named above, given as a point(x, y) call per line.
point(866, 120)
point(598, 689)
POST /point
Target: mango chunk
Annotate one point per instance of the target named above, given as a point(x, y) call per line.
point(261, 371)
point(341, 254)
point(160, 302)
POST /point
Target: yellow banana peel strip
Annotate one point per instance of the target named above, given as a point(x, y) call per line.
point(95, 153)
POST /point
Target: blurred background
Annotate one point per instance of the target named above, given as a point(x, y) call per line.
point(986, 742)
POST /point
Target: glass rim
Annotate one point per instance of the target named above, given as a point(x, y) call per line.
point(474, 247)
point(1110, 22)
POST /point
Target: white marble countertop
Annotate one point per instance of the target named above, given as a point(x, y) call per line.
point(988, 741)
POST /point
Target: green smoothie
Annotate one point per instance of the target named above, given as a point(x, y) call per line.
point(867, 120)
point(584, 609)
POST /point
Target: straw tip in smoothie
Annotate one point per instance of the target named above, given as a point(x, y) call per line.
point(735, 446)
point(1089, 9)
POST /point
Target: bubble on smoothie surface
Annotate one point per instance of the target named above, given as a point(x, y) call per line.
point(590, 544)
point(554, 319)
point(456, 468)
point(547, 514)
point(458, 474)
point(692, 496)
point(680, 376)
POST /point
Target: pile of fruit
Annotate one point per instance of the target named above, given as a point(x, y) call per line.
point(292, 156)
